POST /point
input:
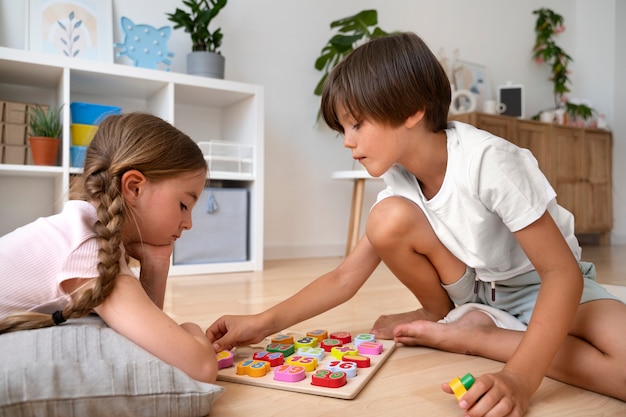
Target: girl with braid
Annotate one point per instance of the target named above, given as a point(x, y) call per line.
point(141, 179)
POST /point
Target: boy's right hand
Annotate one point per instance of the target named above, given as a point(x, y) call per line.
point(230, 331)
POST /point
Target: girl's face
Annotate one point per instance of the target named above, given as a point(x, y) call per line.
point(162, 209)
point(375, 145)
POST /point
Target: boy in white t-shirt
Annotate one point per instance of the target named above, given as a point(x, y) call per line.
point(467, 219)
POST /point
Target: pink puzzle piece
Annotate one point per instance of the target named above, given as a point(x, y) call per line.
point(289, 373)
point(225, 359)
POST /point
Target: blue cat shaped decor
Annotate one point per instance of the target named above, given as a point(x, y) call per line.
point(144, 44)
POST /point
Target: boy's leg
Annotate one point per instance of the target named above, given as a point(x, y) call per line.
point(407, 244)
point(593, 355)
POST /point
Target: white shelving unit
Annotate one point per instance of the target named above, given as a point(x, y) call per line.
point(205, 108)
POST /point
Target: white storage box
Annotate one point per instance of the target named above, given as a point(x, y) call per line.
point(220, 228)
point(228, 160)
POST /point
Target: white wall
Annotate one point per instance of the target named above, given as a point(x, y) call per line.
point(275, 42)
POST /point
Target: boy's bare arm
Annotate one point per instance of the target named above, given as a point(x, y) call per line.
point(324, 293)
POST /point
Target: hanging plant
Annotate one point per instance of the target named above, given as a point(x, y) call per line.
point(548, 25)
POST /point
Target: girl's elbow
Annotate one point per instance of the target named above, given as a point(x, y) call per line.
point(206, 371)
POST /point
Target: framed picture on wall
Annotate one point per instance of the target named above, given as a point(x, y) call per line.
point(474, 78)
point(511, 97)
point(72, 28)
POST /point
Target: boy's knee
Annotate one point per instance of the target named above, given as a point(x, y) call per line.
point(392, 218)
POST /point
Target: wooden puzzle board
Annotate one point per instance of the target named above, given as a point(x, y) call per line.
point(353, 386)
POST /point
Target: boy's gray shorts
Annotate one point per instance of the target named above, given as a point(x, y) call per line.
point(517, 295)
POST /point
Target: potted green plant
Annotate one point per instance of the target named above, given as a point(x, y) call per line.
point(45, 128)
point(353, 30)
point(205, 58)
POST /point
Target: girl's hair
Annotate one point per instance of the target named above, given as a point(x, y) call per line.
point(387, 80)
point(122, 142)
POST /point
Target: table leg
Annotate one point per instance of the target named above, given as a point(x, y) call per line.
point(354, 226)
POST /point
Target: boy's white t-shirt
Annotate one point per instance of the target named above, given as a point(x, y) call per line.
point(35, 259)
point(491, 189)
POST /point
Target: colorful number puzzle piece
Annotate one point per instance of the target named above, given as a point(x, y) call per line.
point(340, 351)
point(326, 378)
point(225, 359)
point(328, 344)
point(308, 363)
point(316, 352)
point(363, 337)
point(345, 337)
point(289, 373)
point(274, 358)
point(349, 368)
point(370, 348)
point(460, 386)
point(318, 334)
point(253, 368)
point(361, 361)
point(283, 338)
point(285, 349)
point(306, 342)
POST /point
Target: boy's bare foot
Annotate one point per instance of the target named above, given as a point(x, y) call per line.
point(384, 326)
point(450, 337)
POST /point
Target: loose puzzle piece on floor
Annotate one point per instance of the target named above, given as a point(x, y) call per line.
point(336, 365)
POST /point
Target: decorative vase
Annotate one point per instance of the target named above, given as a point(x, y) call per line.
point(44, 150)
point(206, 64)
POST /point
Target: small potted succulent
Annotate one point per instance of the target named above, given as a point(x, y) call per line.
point(204, 58)
point(45, 128)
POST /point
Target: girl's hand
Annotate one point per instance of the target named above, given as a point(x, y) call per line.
point(497, 395)
point(146, 253)
point(230, 331)
point(155, 266)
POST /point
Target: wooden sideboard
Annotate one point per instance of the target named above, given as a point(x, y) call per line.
point(576, 161)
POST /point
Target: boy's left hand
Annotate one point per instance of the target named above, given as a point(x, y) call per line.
point(498, 395)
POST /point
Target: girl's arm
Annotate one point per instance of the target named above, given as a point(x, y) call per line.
point(553, 315)
point(155, 265)
point(132, 313)
point(324, 293)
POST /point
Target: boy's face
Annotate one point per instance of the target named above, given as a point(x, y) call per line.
point(374, 145)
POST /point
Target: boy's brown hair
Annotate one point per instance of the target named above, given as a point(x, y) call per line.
point(387, 80)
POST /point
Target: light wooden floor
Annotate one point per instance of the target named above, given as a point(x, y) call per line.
point(408, 383)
